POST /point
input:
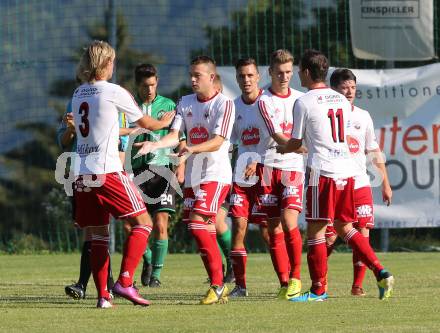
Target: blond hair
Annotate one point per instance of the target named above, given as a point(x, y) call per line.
point(94, 61)
point(281, 56)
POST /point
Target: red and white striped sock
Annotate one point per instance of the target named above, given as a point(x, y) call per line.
point(209, 251)
point(362, 247)
point(317, 262)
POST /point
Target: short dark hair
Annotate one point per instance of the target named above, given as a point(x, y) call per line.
point(245, 62)
point(340, 75)
point(317, 64)
point(203, 59)
point(144, 71)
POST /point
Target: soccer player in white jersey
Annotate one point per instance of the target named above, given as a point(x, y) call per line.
point(322, 120)
point(206, 117)
point(281, 177)
point(362, 141)
point(102, 187)
point(246, 135)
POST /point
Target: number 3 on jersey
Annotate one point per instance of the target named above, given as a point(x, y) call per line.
point(340, 116)
point(84, 113)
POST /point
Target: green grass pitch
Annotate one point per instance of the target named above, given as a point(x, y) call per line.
point(32, 299)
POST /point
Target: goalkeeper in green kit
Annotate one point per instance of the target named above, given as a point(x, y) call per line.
point(157, 189)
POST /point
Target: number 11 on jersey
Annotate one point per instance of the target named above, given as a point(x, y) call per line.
point(339, 136)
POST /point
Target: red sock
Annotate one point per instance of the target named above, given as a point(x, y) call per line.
point(134, 248)
point(99, 260)
point(213, 234)
point(317, 261)
point(209, 251)
point(359, 270)
point(363, 249)
point(294, 249)
point(330, 248)
point(280, 259)
point(239, 259)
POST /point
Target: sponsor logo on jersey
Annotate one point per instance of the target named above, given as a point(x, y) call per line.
point(198, 135)
point(340, 184)
point(364, 211)
point(250, 136)
point(188, 203)
point(236, 200)
point(287, 128)
point(319, 100)
point(206, 115)
point(268, 200)
point(290, 191)
point(353, 145)
point(201, 195)
point(239, 117)
point(357, 125)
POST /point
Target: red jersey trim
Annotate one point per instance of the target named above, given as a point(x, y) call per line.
point(266, 117)
point(208, 99)
point(226, 119)
point(280, 96)
point(259, 94)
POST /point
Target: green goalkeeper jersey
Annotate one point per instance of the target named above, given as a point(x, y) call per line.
point(155, 110)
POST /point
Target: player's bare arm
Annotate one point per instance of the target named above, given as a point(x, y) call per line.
point(153, 124)
point(379, 163)
point(69, 133)
point(292, 146)
point(211, 145)
point(180, 168)
point(169, 140)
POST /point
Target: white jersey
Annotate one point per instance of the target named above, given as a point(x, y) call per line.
point(201, 120)
point(246, 134)
point(96, 107)
point(321, 118)
point(362, 139)
point(276, 112)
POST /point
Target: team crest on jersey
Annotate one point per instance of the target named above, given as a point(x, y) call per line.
point(198, 135)
point(160, 114)
point(353, 145)
point(287, 128)
point(250, 136)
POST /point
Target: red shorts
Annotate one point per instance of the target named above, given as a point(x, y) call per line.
point(278, 190)
point(99, 196)
point(243, 204)
point(331, 200)
point(206, 201)
point(363, 202)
